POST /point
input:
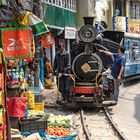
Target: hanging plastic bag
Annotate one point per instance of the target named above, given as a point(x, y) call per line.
point(17, 107)
point(37, 25)
point(0, 97)
point(24, 20)
point(16, 41)
point(0, 81)
point(47, 41)
point(1, 116)
point(1, 55)
point(31, 58)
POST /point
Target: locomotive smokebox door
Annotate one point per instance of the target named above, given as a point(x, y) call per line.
point(85, 67)
point(87, 32)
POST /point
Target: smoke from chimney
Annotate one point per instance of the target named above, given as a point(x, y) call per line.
point(101, 6)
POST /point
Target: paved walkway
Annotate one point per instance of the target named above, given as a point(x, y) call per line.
point(127, 112)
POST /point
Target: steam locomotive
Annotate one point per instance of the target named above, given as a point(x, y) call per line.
point(88, 64)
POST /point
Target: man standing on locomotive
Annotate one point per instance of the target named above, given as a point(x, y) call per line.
point(117, 69)
point(62, 70)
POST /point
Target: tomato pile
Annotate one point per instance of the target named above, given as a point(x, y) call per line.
point(62, 132)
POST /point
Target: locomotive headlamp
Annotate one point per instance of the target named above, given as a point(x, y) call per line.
point(87, 33)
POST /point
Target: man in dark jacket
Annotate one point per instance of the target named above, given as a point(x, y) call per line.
point(62, 68)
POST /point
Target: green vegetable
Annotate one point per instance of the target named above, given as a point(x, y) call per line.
point(60, 121)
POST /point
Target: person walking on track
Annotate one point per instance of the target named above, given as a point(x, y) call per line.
point(62, 70)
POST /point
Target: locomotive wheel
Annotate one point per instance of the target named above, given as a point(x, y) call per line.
point(85, 67)
point(87, 33)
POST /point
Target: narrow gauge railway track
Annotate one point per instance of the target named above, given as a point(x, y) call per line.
point(100, 126)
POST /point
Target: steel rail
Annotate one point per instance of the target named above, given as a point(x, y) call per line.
point(120, 134)
point(85, 129)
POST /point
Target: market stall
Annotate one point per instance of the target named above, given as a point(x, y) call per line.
point(4, 119)
point(24, 101)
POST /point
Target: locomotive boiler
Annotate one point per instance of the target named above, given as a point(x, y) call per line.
point(88, 64)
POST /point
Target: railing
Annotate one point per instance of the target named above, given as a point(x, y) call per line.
point(65, 4)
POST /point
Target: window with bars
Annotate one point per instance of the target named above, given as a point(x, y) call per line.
point(119, 8)
point(54, 1)
point(69, 4)
point(50, 1)
point(135, 10)
point(63, 3)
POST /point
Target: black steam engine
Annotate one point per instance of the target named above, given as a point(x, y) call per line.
point(88, 64)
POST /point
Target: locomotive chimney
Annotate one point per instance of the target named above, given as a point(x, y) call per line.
point(88, 20)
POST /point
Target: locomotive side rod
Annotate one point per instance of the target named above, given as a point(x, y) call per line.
point(120, 134)
point(85, 126)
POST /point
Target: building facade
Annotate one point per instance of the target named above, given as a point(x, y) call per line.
point(129, 9)
point(64, 17)
point(60, 16)
point(123, 8)
point(87, 8)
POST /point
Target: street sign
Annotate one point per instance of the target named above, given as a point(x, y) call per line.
point(120, 23)
point(134, 27)
point(70, 33)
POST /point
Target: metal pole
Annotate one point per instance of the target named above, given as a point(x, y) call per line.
point(37, 67)
point(37, 10)
point(68, 45)
point(53, 53)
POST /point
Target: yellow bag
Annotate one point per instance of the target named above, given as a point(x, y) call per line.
point(0, 57)
point(31, 100)
point(1, 116)
point(0, 97)
point(24, 20)
point(29, 95)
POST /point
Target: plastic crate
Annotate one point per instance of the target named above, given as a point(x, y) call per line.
point(35, 89)
point(13, 92)
point(39, 106)
point(38, 98)
point(32, 125)
point(14, 121)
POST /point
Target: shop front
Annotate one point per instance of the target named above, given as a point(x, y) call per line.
point(134, 26)
point(120, 23)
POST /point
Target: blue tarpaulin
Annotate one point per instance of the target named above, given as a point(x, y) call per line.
point(44, 135)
